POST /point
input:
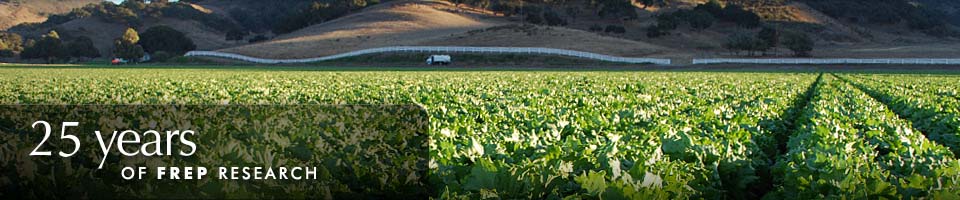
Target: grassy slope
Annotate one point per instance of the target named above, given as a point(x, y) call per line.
point(433, 23)
point(12, 14)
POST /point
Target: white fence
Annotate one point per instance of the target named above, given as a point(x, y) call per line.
point(828, 61)
point(441, 49)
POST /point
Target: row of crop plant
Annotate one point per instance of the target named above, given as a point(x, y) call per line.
point(852, 146)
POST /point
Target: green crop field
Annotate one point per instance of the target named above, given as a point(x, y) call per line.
point(606, 135)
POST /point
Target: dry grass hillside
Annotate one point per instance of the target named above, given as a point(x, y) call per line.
point(12, 13)
point(103, 33)
point(552, 37)
point(390, 24)
point(433, 23)
point(833, 37)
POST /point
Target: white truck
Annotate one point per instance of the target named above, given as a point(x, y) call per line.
point(439, 60)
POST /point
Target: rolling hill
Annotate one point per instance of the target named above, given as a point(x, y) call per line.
point(13, 12)
point(433, 23)
point(858, 33)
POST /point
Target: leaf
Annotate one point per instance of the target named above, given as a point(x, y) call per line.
point(593, 182)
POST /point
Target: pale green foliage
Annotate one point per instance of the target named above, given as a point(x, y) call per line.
point(593, 135)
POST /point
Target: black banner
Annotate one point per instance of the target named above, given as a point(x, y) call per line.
point(214, 151)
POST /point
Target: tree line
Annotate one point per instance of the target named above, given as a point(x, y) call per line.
point(161, 42)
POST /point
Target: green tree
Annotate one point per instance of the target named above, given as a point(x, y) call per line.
point(164, 38)
point(700, 20)
point(126, 47)
point(10, 44)
point(622, 9)
point(770, 37)
point(800, 43)
point(712, 7)
point(83, 47)
point(739, 42)
point(742, 17)
point(49, 48)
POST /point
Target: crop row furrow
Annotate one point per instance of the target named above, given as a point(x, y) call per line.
point(731, 134)
point(936, 116)
point(850, 146)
